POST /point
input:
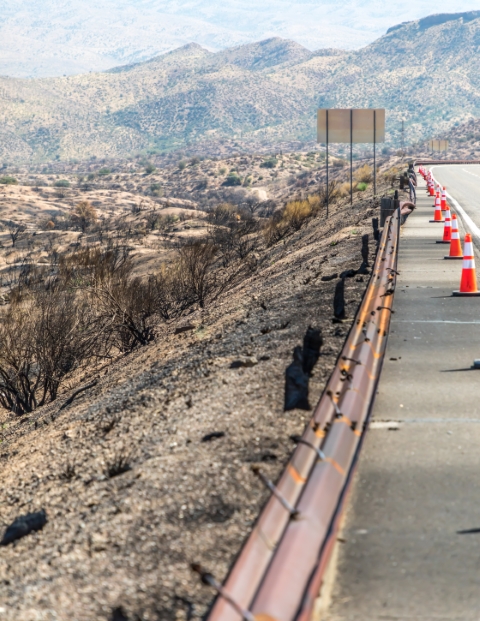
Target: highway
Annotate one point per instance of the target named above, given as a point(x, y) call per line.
point(409, 548)
point(463, 184)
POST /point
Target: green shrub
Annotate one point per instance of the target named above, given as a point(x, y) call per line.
point(149, 169)
point(232, 179)
point(362, 186)
point(104, 171)
point(156, 189)
point(62, 183)
point(270, 163)
point(8, 180)
point(182, 165)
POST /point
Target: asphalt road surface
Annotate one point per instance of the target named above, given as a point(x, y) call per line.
point(463, 183)
point(409, 549)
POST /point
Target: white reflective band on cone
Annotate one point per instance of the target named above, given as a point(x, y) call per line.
point(468, 264)
point(468, 249)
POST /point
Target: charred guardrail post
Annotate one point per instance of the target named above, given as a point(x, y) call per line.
point(365, 254)
point(298, 372)
point(296, 383)
point(312, 343)
point(339, 301)
point(387, 207)
point(376, 230)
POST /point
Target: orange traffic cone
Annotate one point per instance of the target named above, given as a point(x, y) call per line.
point(444, 199)
point(447, 229)
point(455, 246)
point(468, 283)
point(438, 210)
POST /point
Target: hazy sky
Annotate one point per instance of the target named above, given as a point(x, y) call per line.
point(51, 37)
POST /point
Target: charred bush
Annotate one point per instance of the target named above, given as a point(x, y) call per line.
point(275, 229)
point(196, 281)
point(124, 307)
point(43, 340)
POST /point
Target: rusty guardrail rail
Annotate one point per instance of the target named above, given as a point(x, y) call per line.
point(278, 573)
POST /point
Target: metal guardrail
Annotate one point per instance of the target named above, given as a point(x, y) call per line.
point(278, 573)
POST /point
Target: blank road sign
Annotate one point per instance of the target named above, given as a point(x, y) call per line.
point(438, 145)
point(351, 125)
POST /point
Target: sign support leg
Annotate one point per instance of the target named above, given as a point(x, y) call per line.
point(351, 157)
point(328, 192)
point(374, 153)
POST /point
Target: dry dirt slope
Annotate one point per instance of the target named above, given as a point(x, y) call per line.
point(119, 547)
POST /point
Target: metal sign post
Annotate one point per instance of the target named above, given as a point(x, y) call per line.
point(328, 190)
point(351, 157)
point(374, 153)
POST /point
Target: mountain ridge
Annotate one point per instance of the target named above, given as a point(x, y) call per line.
point(45, 38)
point(268, 90)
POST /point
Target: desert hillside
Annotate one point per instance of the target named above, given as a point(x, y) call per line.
point(425, 72)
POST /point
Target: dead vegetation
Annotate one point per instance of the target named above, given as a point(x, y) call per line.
point(97, 283)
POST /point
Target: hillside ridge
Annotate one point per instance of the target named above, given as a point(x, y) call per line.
point(265, 92)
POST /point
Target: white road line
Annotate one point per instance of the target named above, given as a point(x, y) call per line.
point(468, 222)
point(470, 173)
point(429, 421)
point(434, 321)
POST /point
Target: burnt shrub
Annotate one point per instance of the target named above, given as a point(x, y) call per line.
point(43, 340)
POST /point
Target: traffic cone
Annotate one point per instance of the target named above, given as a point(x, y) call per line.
point(444, 199)
point(468, 283)
point(455, 246)
point(438, 210)
point(447, 229)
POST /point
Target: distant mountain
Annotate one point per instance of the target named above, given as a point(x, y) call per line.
point(42, 38)
point(424, 71)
